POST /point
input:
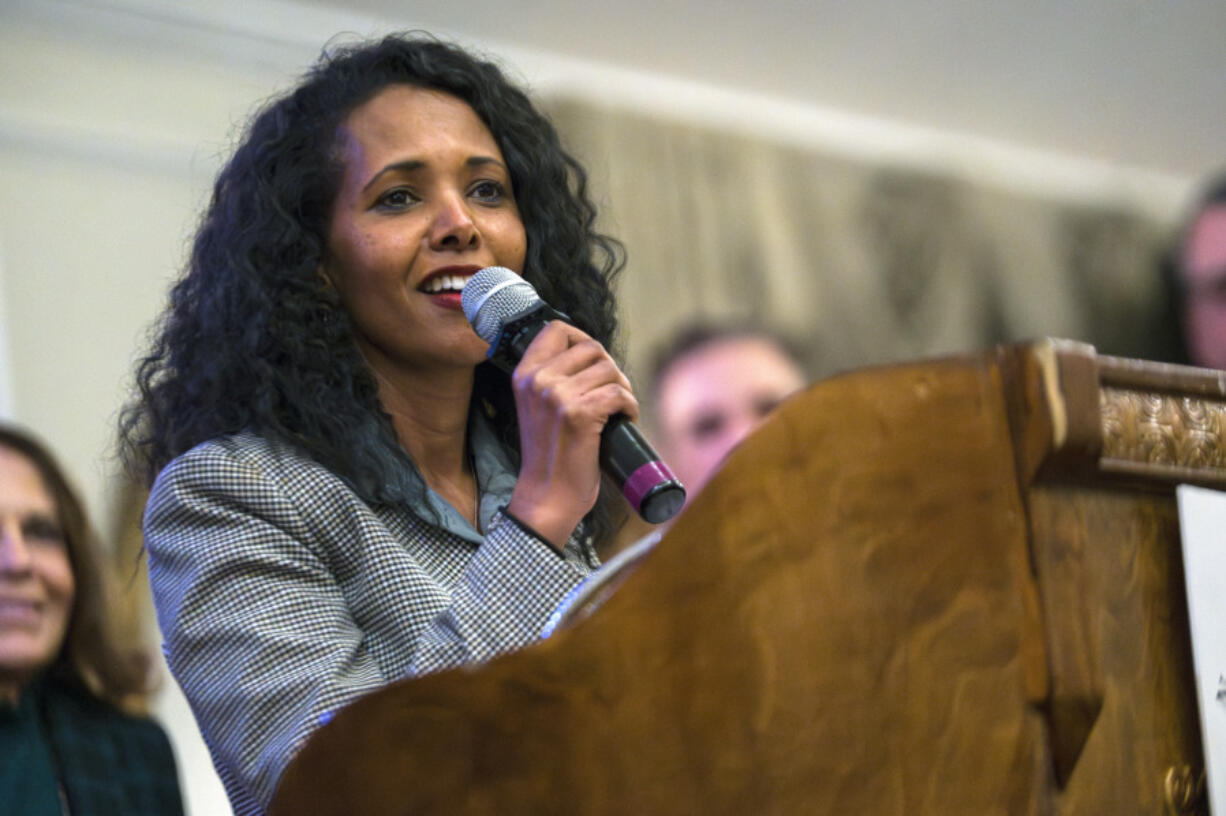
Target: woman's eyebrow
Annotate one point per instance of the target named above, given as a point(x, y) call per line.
point(406, 166)
point(478, 161)
point(409, 165)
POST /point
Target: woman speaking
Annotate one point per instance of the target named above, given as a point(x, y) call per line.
point(345, 492)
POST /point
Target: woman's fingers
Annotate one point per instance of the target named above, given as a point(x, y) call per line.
point(609, 399)
point(599, 387)
point(566, 387)
point(551, 341)
point(566, 366)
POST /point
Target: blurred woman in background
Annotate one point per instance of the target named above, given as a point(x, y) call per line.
point(67, 745)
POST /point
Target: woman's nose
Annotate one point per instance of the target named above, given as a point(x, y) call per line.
point(453, 226)
point(14, 554)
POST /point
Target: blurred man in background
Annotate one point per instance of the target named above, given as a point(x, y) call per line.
point(711, 387)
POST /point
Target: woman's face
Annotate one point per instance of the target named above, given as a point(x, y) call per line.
point(425, 201)
point(36, 584)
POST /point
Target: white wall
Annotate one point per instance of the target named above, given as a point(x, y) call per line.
point(106, 151)
point(6, 376)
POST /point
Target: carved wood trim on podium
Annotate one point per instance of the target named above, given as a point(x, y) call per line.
point(1102, 442)
point(950, 587)
point(1092, 416)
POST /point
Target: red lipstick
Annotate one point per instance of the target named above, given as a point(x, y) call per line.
point(443, 285)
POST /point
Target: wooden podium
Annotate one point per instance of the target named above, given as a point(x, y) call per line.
point(951, 587)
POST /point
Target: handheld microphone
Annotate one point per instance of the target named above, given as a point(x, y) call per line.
point(506, 312)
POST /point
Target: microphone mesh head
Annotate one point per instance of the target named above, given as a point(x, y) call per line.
point(492, 296)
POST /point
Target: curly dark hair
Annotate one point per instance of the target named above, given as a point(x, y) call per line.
point(253, 339)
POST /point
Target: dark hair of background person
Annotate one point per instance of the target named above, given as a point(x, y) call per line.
point(1213, 194)
point(253, 339)
point(696, 335)
point(92, 655)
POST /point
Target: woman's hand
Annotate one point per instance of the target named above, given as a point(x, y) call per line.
point(566, 387)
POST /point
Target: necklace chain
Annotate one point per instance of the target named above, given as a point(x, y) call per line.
point(472, 465)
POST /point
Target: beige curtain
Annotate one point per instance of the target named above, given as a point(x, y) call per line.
point(862, 263)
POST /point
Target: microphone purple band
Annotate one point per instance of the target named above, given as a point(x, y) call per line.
point(642, 482)
point(628, 459)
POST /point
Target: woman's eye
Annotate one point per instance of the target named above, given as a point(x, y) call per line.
point(488, 191)
point(43, 531)
point(395, 199)
point(707, 426)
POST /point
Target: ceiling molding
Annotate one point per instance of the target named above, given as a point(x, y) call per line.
point(130, 150)
point(286, 37)
point(265, 33)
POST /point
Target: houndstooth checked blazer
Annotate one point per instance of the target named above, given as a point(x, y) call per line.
point(282, 596)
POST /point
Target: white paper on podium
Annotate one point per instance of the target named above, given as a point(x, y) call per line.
point(1202, 521)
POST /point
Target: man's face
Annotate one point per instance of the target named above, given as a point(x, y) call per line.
point(711, 398)
point(1203, 276)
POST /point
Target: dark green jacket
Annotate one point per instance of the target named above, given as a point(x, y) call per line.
point(104, 761)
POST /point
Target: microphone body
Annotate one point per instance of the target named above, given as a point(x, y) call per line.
point(507, 313)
